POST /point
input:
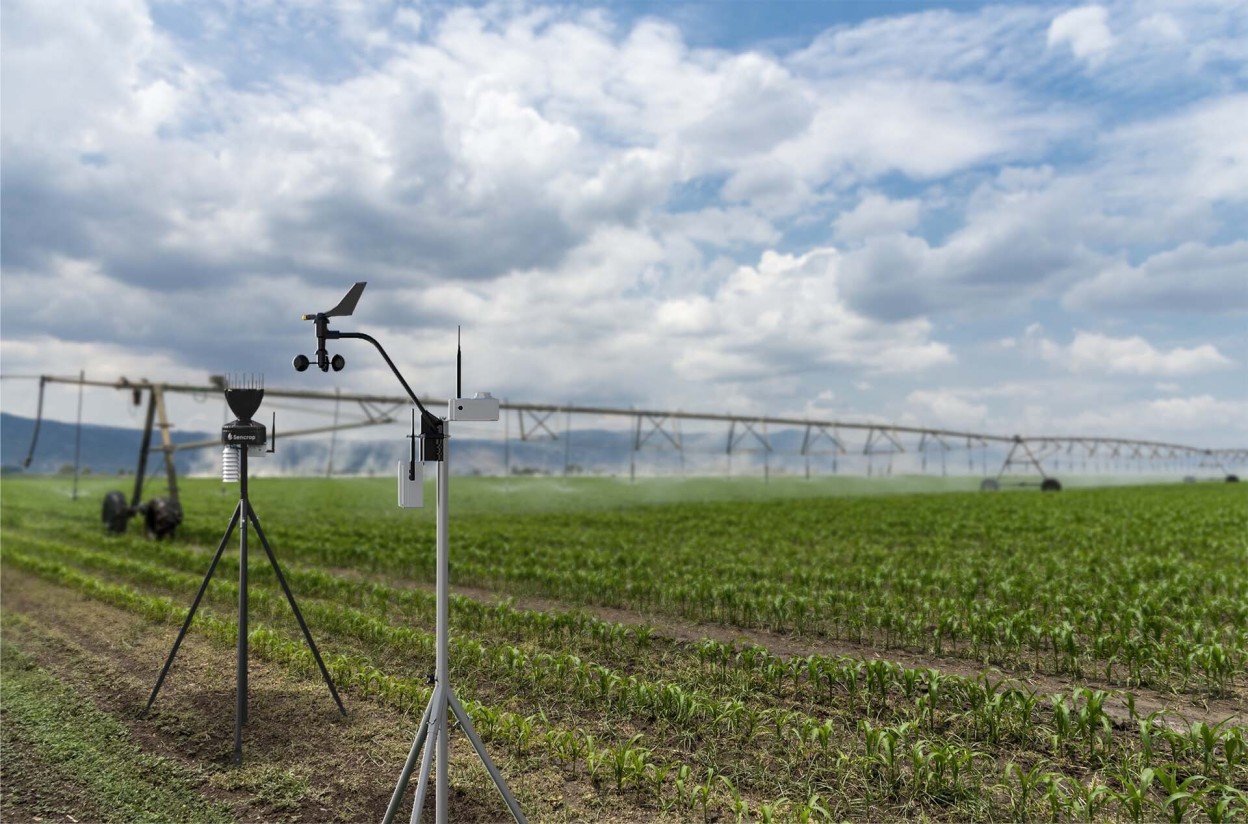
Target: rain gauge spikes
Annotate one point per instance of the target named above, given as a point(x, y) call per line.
point(244, 393)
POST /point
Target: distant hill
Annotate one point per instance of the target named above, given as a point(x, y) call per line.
point(110, 450)
point(106, 450)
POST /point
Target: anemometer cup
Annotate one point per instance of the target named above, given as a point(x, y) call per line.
point(323, 361)
point(321, 321)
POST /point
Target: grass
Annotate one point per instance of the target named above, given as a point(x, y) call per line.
point(1091, 602)
point(63, 756)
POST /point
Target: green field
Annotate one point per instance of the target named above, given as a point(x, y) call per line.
point(678, 650)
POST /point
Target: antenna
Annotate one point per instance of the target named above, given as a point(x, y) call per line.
point(459, 362)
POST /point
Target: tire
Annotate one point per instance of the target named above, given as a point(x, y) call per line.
point(116, 512)
point(161, 516)
point(989, 485)
point(1051, 485)
point(1232, 479)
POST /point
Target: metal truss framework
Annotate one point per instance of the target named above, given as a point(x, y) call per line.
point(657, 429)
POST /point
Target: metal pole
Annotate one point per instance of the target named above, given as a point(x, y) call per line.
point(166, 441)
point(443, 628)
point(422, 733)
point(680, 446)
point(567, 442)
point(333, 435)
point(240, 706)
point(766, 455)
point(632, 455)
point(465, 724)
point(438, 704)
point(82, 375)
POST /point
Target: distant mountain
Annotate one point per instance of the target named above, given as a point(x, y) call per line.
point(110, 450)
point(106, 450)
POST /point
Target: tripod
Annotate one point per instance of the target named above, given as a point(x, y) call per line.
point(432, 732)
point(243, 513)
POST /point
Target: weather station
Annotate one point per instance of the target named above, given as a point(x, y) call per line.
point(431, 744)
point(242, 438)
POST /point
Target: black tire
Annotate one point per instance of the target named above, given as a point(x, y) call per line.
point(116, 512)
point(989, 485)
point(1051, 485)
point(1232, 479)
point(161, 516)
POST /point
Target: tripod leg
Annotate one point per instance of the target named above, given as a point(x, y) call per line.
point(466, 724)
point(422, 732)
point(281, 579)
point(426, 763)
point(442, 784)
point(194, 606)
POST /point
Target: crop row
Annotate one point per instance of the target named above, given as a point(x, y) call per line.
point(862, 686)
point(937, 771)
point(1141, 587)
point(1138, 587)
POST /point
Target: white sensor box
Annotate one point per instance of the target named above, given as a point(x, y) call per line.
point(481, 407)
point(411, 492)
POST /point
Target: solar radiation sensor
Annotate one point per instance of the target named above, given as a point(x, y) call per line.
point(321, 319)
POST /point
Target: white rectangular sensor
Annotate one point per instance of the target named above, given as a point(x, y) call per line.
point(411, 492)
point(484, 407)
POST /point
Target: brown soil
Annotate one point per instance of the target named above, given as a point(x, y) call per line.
point(302, 760)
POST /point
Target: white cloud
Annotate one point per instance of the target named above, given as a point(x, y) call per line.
point(1085, 30)
point(1162, 25)
point(1194, 413)
point(1022, 238)
point(1196, 155)
point(876, 214)
point(1191, 278)
point(947, 408)
point(1198, 419)
point(785, 315)
point(1092, 352)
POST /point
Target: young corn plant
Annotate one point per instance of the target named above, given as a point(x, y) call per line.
point(737, 804)
point(1028, 783)
point(1180, 794)
point(1089, 800)
point(1133, 797)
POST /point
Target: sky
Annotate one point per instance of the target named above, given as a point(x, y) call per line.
point(1012, 218)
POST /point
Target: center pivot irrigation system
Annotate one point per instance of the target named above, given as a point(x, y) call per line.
point(433, 731)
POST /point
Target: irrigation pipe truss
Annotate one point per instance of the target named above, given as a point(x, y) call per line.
point(880, 438)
